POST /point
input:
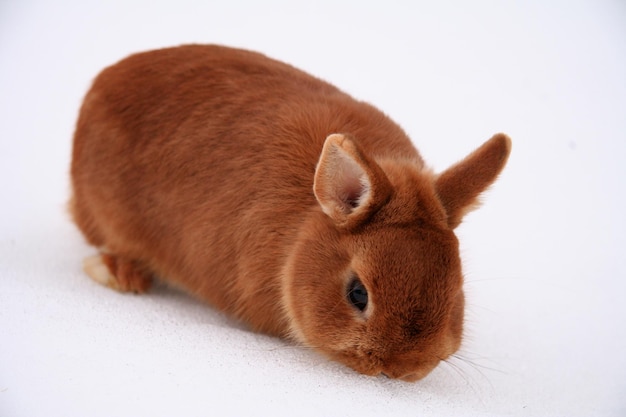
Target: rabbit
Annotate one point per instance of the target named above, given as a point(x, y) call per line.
point(278, 199)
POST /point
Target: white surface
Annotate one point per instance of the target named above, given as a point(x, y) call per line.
point(544, 257)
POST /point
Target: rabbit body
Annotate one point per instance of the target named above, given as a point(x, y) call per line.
point(278, 199)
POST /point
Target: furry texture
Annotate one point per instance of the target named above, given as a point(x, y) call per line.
point(264, 191)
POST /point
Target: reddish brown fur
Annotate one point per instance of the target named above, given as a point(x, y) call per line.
point(196, 164)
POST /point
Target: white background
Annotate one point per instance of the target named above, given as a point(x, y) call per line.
point(544, 258)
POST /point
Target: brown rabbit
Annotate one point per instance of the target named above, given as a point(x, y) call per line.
point(280, 200)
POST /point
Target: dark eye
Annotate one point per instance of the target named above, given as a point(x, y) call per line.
point(357, 294)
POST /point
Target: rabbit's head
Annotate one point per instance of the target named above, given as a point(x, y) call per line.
point(374, 280)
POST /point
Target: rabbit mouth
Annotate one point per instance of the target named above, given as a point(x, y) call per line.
point(413, 375)
point(406, 366)
point(408, 378)
point(409, 369)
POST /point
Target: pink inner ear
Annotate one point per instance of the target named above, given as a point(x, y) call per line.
point(351, 182)
point(352, 195)
point(342, 182)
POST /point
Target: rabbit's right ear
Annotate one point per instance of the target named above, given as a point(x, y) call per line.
point(460, 185)
point(348, 185)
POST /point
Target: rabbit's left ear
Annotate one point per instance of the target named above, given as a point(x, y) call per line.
point(347, 184)
point(460, 185)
